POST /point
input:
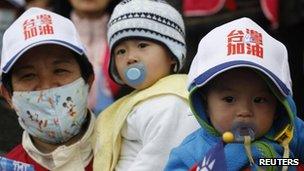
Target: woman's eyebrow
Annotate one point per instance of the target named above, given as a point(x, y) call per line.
point(22, 68)
point(61, 61)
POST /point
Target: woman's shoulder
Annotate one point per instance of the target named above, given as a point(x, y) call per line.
point(19, 154)
point(16, 153)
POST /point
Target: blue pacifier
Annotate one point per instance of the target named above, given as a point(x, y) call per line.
point(241, 129)
point(135, 74)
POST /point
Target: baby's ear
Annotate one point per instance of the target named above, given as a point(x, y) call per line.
point(174, 65)
point(173, 61)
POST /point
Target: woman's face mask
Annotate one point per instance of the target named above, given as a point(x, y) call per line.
point(54, 115)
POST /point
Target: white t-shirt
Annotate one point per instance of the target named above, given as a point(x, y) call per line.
point(152, 129)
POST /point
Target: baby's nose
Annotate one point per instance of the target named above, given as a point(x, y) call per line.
point(132, 60)
point(244, 110)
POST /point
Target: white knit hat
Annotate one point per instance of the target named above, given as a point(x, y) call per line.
point(240, 43)
point(150, 19)
point(36, 27)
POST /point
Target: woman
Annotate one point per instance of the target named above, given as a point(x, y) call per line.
point(46, 79)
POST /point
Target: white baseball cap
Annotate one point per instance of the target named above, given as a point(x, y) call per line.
point(35, 27)
point(240, 43)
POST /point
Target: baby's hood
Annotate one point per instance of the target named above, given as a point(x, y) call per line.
point(243, 43)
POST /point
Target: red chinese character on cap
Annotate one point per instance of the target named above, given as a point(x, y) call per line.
point(29, 29)
point(46, 25)
point(254, 43)
point(249, 43)
point(236, 42)
point(40, 25)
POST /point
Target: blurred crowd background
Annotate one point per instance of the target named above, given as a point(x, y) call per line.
point(283, 19)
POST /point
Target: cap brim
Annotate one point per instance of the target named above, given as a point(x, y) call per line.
point(12, 61)
point(202, 79)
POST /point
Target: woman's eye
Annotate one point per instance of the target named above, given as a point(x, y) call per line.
point(229, 99)
point(60, 71)
point(259, 100)
point(120, 52)
point(28, 76)
point(142, 45)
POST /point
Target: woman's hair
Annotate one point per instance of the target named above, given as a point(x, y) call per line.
point(86, 70)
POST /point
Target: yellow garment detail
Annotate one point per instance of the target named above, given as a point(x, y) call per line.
point(107, 133)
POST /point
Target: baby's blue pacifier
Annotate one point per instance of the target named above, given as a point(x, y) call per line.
point(241, 129)
point(135, 74)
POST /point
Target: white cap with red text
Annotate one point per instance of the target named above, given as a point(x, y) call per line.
point(240, 43)
point(35, 27)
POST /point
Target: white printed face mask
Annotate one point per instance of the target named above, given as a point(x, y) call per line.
point(54, 115)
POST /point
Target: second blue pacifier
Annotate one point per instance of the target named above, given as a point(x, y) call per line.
point(135, 74)
point(242, 129)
